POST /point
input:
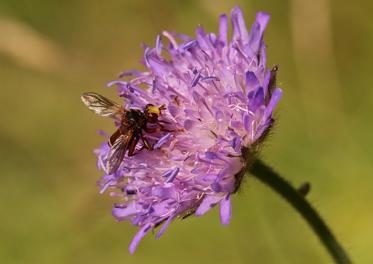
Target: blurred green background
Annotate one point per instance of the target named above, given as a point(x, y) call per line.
point(52, 51)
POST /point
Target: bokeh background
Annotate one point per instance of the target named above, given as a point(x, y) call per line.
point(52, 51)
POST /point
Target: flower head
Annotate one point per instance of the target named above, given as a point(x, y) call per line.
point(218, 100)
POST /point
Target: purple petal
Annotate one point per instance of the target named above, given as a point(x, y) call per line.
point(173, 110)
point(207, 203)
point(236, 143)
point(197, 97)
point(276, 95)
point(247, 122)
point(251, 80)
point(211, 155)
point(165, 192)
point(219, 116)
point(266, 80)
point(139, 235)
point(202, 39)
point(223, 29)
point(263, 127)
point(225, 210)
point(188, 124)
point(212, 38)
point(239, 26)
point(256, 33)
point(158, 67)
point(206, 178)
point(199, 170)
point(263, 57)
point(257, 100)
point(122, 212)
point(160, 209)
point(216, 186)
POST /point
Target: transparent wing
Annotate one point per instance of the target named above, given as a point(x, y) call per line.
point(117, 152)
point(101, 105)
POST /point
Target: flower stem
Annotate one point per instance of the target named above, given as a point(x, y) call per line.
point(269, 177)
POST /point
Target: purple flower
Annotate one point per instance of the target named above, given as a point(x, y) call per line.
point(219, 98)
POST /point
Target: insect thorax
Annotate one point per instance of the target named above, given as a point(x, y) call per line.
point(134, 118)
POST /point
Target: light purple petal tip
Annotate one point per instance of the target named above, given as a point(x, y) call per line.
point(139, 235)
point(239, 26)
point(262, 18)
point(223, 29)
point(256, 32)
point(225, 210)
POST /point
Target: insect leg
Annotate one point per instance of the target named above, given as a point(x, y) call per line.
point(132, 145)
point(151, 130)
point(163, 121)
point(146, 142)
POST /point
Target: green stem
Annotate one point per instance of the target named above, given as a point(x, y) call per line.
point(269, 177)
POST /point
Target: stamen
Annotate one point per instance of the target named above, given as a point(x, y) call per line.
point(190, 44)
point(172, 174)
point(146, 56)
point(196, 79)
point(106, 186)
point(171, 39)
point(158, 45)
point(210, 78)
point(162, 140)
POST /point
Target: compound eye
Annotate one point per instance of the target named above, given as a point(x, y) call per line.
point(152, 109)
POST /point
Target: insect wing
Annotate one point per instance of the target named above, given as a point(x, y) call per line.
point(101, 105)
point(114, 137)
point(116, 154)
